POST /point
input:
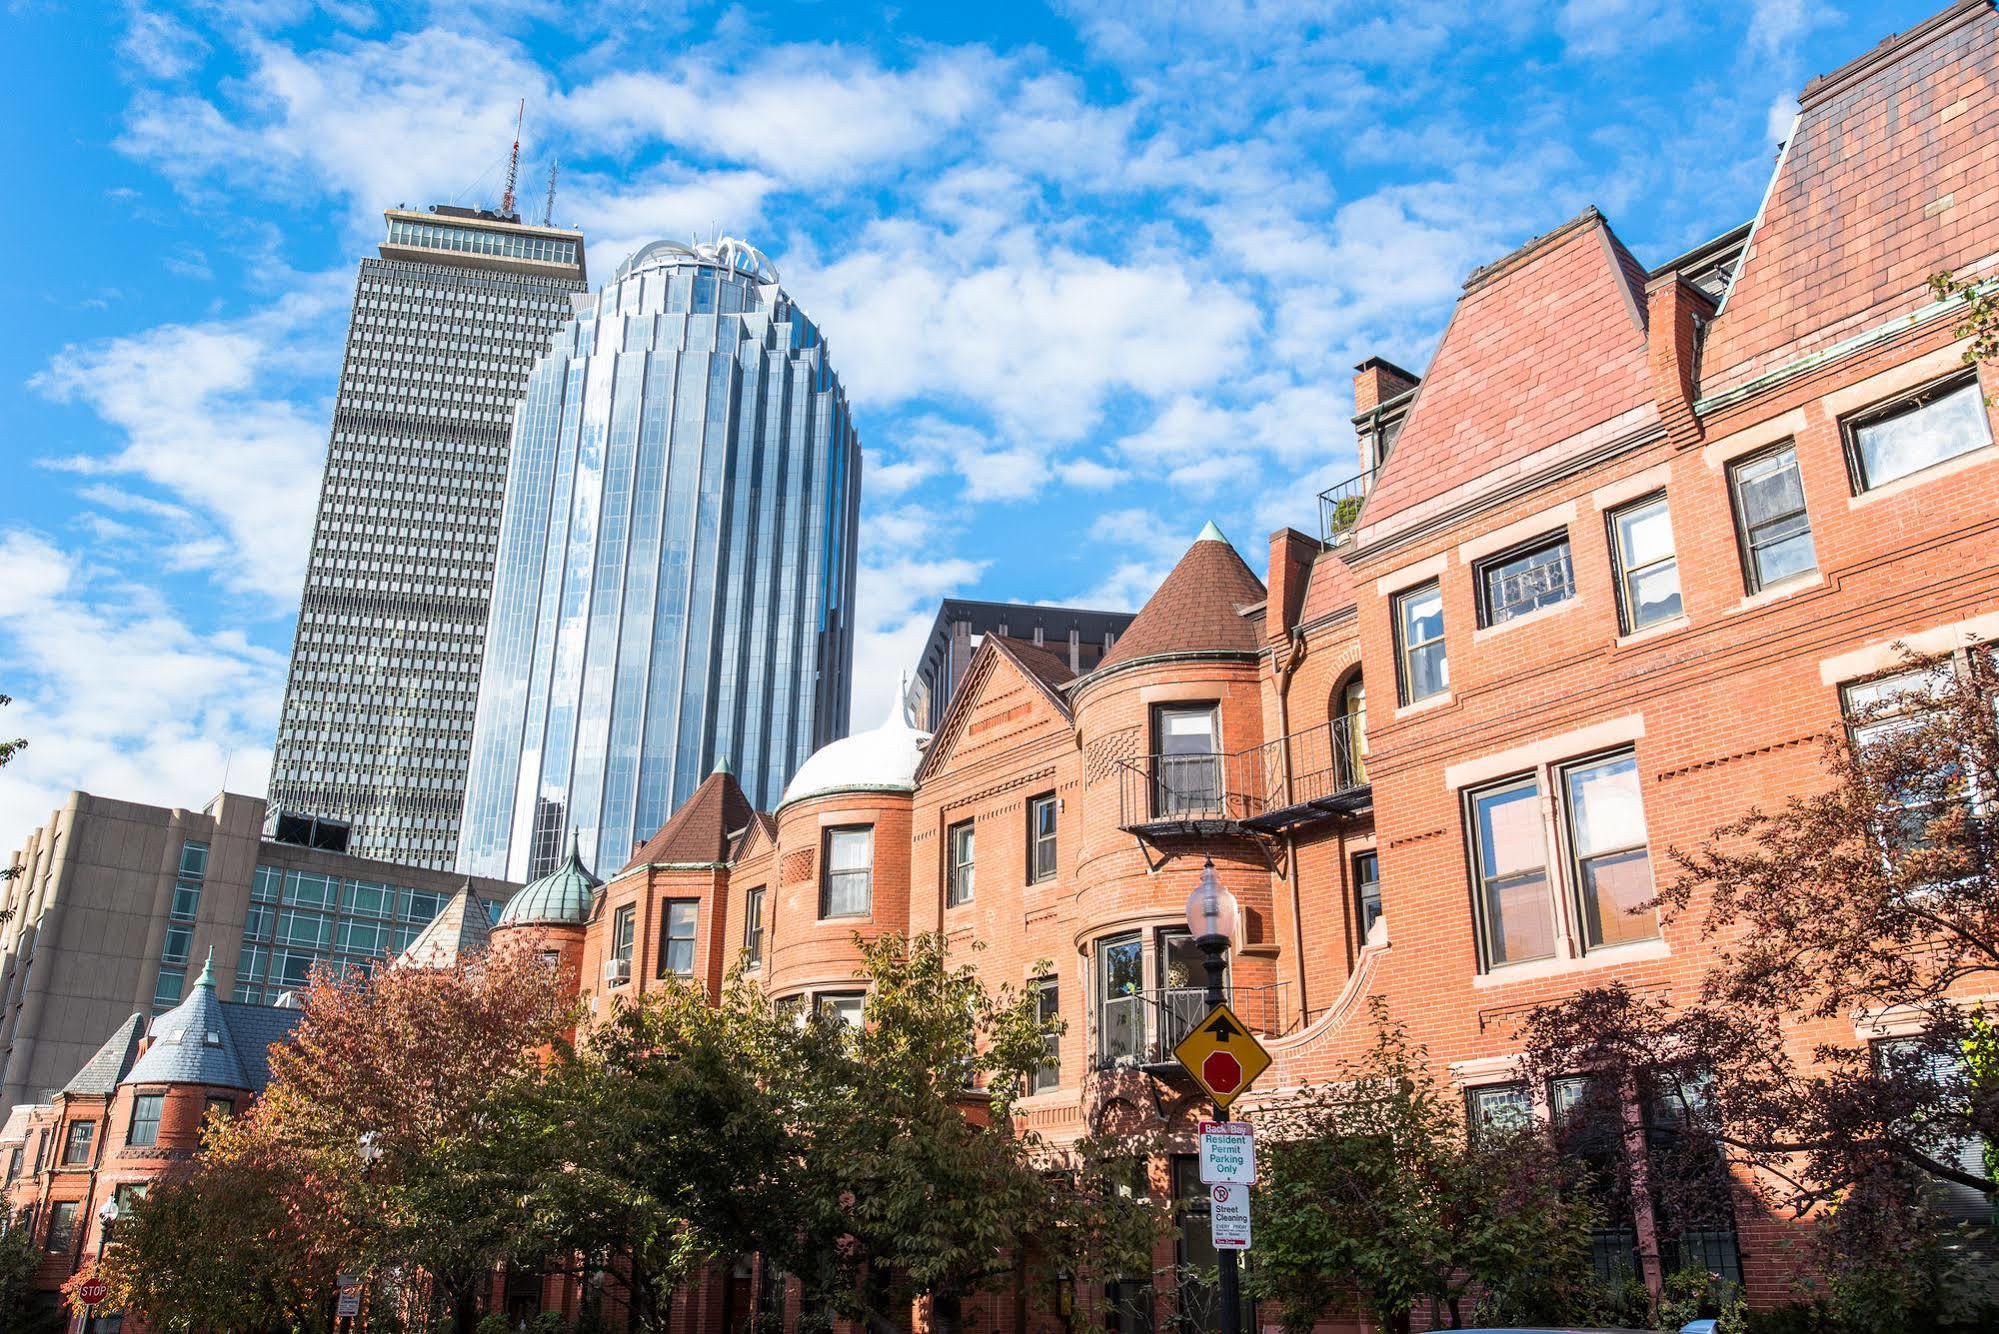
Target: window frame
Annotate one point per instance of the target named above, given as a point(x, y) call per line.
point(1371, 856)
point(1475, 1094)
point(753, 927)
point(1404, 649)
point(1752, 579)
point(74, 1155)
point(1169, 801)
point(1484, 567)
point(827, 1004)
point(624, 936)
point(826, 872)
point(667, 940)
point(1037, 873)
point(1482, 926)
point(1626, 574)
point(959, 871)
point(1901, 405)
point(157, 1099)
point(68, 1210)
point(1047, 1076)
point(1573, 859)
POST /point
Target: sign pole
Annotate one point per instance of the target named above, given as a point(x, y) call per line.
point(1211, 948)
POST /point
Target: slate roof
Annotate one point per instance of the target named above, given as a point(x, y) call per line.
point(563, 897)
point(1042, 664)
point(1328, 587)
point(1544, 345)
point(205, 1040)
point(1197, 608)
point(101, 1073)
point(1886, 179)
point(698, 834)
point(461, 929)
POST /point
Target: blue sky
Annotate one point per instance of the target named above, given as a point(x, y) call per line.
point(1090, 274)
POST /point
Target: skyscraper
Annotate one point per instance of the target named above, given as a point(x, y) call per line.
point(378, 707)
point(676, 569)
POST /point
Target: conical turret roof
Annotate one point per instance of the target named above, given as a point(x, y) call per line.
point(1197, 609)
point(192, 1043)
point(698, 833)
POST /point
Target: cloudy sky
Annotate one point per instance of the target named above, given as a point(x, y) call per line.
point(1091, 273)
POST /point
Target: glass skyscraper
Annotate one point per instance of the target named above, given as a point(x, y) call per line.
point(377, 719)
point(676, 568)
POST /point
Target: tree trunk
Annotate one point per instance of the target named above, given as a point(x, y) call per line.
point(465, 1309)
point(1396, 1322)
point(1638, 1161)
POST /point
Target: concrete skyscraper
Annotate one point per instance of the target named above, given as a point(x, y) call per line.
point(378, 707)
point(675, 579)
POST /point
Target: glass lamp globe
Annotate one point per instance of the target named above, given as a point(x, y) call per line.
point(1211, 909)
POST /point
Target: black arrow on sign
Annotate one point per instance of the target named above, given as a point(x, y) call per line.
point(1222, 1029)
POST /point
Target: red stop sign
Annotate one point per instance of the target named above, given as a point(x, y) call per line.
point(91, 1291)
point(1221, 1071)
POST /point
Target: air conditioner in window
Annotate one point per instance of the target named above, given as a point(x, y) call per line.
point(617, 972)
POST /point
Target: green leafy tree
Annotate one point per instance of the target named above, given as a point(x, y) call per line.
point(8, 750)
point(1375, 1194)
point(23, 1307)
point(1979, 321)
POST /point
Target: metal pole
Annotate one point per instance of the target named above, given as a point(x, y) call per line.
point(1212, 949)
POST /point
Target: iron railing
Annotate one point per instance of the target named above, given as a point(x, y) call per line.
point(1141, 1028)
point(1206, 793)
point(1339, 506)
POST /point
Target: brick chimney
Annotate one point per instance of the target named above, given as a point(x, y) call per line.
point(1291, 557)
point(1674, 311)
point(1377, 380)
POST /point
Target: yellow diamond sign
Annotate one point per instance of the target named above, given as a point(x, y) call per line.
point(1222, 1056)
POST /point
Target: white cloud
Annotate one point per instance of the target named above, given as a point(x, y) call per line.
point(119, 697)
point(159, 45)
point(896, 604)
point(887, 478)
point(1090, 474)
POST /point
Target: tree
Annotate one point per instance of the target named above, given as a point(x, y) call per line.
point(8, 750)
point(1980, 321)
point(23, 1307)
point(1376, 1193)
point(1877, 895)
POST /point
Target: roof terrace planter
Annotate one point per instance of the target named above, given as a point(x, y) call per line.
point(1340, 505)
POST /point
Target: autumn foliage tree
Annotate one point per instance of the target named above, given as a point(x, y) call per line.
point(1873, 899)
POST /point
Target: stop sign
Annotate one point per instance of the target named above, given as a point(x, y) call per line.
point(91, 1291)
point(1221, 1072)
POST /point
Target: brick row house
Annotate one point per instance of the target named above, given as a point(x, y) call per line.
point(1612, 568)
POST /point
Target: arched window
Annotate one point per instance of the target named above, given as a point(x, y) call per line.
point(1350, 732)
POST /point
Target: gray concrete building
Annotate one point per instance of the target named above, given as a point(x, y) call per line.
point(1082, 637)
point(378, 709)
point(117, 904)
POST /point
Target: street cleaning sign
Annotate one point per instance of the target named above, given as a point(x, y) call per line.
point(1222, 1056)
point(1228, 1216)
point(1228, 1153)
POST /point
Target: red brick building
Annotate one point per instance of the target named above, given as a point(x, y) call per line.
point(1612, 563)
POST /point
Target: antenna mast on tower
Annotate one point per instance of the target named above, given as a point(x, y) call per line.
point(548, 213)
point(514, 163)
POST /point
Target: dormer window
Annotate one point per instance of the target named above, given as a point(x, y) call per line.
point(211, 1040)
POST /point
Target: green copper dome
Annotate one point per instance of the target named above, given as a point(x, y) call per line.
point(563, 897)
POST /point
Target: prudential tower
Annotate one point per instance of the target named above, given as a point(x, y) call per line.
point(674, 583)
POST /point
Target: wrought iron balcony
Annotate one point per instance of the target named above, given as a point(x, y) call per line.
point(1308, 776)
point(1142, 1028)
point(1339, 506)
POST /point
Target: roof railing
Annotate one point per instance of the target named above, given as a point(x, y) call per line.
point(1339, 506)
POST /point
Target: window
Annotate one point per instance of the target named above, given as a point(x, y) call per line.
point(167, 988)
point(845, 1007)
point(1041, 860)
point(1910, 1058)
point(1120, 999)
point(1525, 579)
point(1419, 643)
point(1877, 711)
point(1186, 742)
point(76, 1149)
point(1048, 1074)
point(959, 887)
point(847, 887)
point(13, 1166)
point(753, 928)
point(1613, 869)
point(676, 945)
point(1367, 891)
point(1771, 524)
point(1648, 568)
point(61, 1238)
point(1350, 735)
point(218, 1108)
point(1510, 863)
point(145, 1129)
point(1936, 423)
point(623, 927)
point(1501, 1107)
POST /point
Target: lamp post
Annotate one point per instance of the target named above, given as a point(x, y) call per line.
point(1211, 920)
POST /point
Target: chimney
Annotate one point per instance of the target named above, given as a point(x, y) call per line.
point(1291, 557)
point(1377, 380)
point(1674, 311)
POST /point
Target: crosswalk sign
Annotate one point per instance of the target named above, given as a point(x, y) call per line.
point(1222, 1056)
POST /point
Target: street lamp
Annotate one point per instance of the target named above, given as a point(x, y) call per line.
point(1211, 920)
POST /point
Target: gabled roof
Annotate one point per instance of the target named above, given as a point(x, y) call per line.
point(204, 1040)
point(1043, 670)
point(101, 1073)
point(1045, 667)
point(1328, 587)
point(699, 833)
point(760, 833)
point(1197, 609)
point(563, 897)
point(1887, 177)
point(1544, 345)
point(461, 929)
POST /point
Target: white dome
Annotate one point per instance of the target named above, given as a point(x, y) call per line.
point(883, 759)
